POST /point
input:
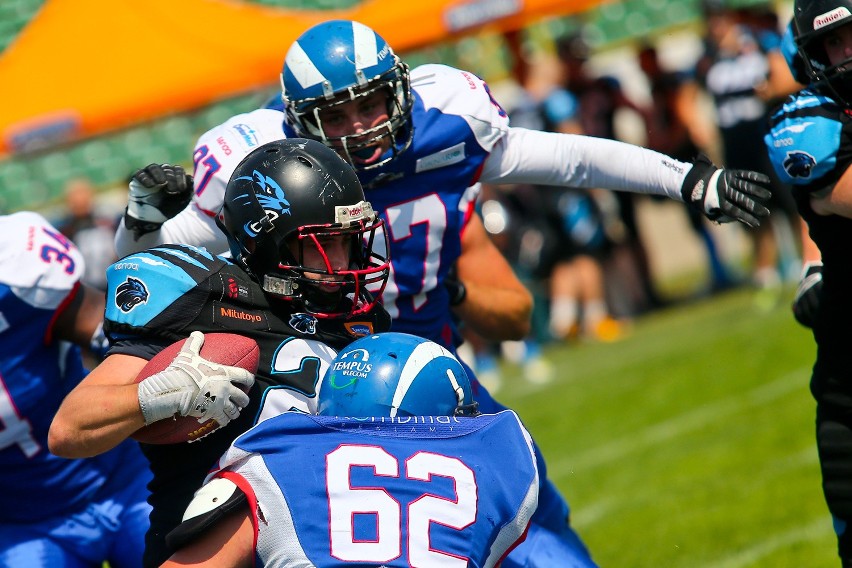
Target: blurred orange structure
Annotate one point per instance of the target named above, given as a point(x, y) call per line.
point(84, 67)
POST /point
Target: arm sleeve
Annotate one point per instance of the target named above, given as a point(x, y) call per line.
point(547, 158)
point(190, 226)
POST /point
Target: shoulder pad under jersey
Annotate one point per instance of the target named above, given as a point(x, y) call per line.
point(804, 139)
point(144, 284)
point(220, 149)
point(215, 500)
point(456, 92)
point(38, 263)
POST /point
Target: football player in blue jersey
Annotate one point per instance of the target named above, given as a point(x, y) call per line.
point(809, 144)
point(404, 471)
point(301, 237)
point(56, 512)
point(420, 141)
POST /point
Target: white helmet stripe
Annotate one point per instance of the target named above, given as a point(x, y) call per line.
point(303, 69)
point(422, 355)
point(365, 46)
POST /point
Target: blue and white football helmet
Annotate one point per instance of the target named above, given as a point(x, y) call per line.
point(339, 61)
point(395, 374)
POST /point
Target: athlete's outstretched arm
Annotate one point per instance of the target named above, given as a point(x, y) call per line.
point(227, 544)
point(548, 158)
point(496, 305)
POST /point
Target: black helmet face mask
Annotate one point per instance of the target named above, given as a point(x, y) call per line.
point(297, 221)
point(818, 24)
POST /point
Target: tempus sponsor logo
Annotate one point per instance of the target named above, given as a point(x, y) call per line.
point(349, 367)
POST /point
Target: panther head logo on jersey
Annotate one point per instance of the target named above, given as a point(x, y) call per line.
point(799, 164)
point(130, 294)
point(304, 323)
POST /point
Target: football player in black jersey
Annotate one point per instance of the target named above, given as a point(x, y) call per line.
point(306, 267)
point(811, 149)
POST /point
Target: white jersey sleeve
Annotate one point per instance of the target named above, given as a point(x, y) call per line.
point(463, 94)
point(217, 153)
point(547, 158)
point(37, 263)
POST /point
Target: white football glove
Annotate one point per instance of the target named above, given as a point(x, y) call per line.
point(194, 386)
point(158, 192)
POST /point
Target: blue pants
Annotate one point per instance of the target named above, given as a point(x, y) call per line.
point(110, 528)
point(550, 541)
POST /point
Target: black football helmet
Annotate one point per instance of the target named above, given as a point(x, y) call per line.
point(812, 21)
point(300, 191)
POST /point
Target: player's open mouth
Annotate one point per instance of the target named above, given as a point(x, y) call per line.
point(367, 155)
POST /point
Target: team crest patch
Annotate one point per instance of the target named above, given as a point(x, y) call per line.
point(359, 328)
point(304, 323)
point(130, 294)
point(799, 164)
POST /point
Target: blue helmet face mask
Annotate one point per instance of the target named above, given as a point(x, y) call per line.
point(395, 375)
point(338, 62)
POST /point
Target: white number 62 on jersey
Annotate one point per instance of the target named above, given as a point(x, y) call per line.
point(346, 501)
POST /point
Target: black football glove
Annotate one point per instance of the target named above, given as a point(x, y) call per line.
point(455, 287)
point(808, 294)
point(158, 192)
point(726, 195)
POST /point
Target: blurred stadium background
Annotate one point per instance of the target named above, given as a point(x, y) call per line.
point(33, 177)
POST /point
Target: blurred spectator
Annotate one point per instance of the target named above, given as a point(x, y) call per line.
point(598, 99)
point(744, 71)
point(676, 126)
point(92, 232)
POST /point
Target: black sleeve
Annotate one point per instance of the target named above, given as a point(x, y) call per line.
point(190, 529)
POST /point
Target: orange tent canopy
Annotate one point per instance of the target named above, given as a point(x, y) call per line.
point(82, 67)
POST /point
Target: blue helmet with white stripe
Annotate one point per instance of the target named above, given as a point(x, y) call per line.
point(339, 61)
point(395, 374)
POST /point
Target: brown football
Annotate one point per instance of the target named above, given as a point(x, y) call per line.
point(224, 348)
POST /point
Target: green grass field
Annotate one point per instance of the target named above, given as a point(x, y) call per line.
point(689, 443)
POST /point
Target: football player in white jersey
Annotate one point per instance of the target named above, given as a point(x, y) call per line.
point(422, 483)
point(421, 140)
point(54, 511)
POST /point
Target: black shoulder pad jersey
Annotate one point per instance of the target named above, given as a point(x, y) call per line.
point(810, 145)
point(161, 295)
